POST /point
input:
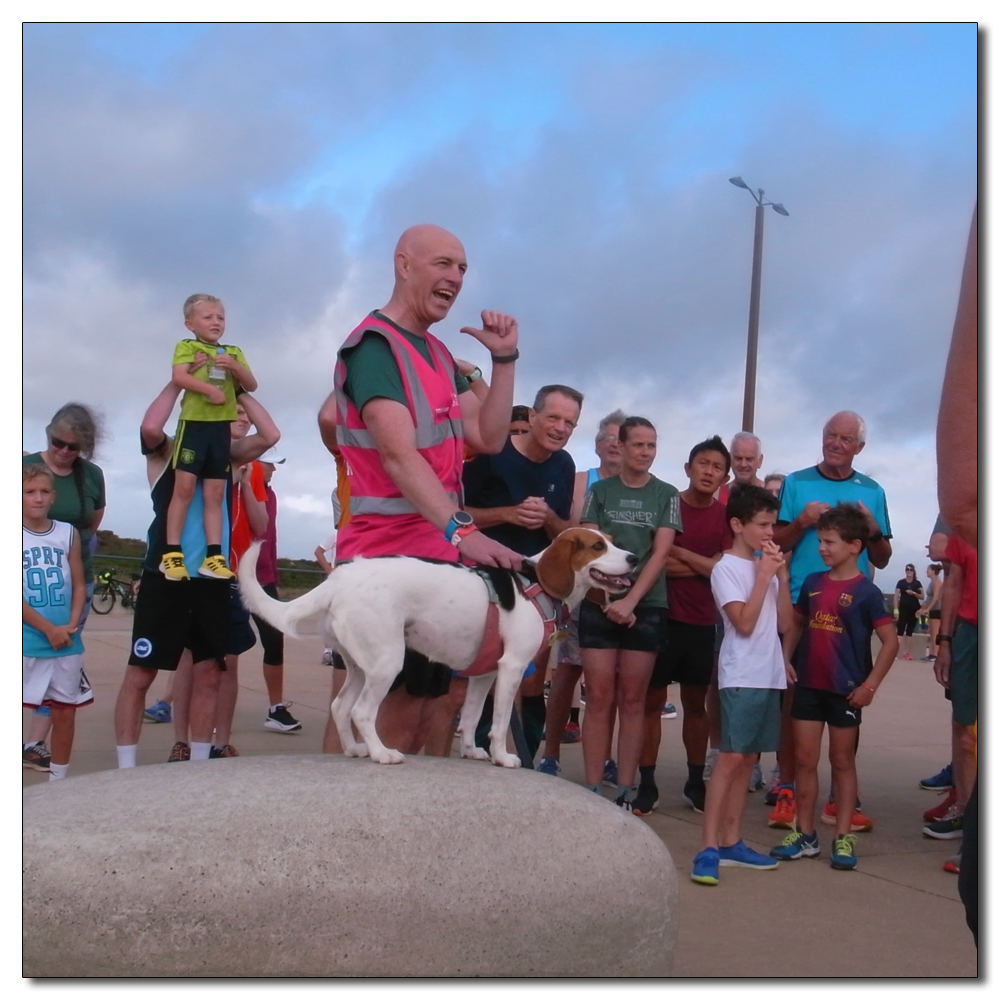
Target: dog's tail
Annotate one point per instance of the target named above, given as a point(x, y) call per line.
point(283, 615)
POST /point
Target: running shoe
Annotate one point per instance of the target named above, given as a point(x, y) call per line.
point(756, 779)
point(179, 751)
point(842, 854)
point(906, 656)
point(706, 867)
point(771, 795)
point(215, 568)
point(571, 734)
point(160, 712)
point(953, 864)
point(647, 798)
point(694, 795)
point(669, 711)
point(610, 774)
point(327, 660)
point(782, 816)
point(280, 720)
point(225, 751)
point(797, 845)
point(549, 765)
point(741, 855)
point(624, 802)
point(860, 823)
point(36, 757)
point(940, 781)
point(948, 799)
point(928, 658)
point(948, 828)
point(172, 566)
point(710, 758)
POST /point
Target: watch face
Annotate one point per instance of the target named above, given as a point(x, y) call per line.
point(462, 518)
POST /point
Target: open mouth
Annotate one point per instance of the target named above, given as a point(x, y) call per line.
point(444, 295)
point(612, 584)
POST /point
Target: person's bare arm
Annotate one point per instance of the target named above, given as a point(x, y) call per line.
point(391, 428)
point(744, 614)
point(327, 420)
point(480, 387)
point(951, 596)
point(256, 509)
point(702, 565)
point(324, 563)
point(243, 376)
point(490, 517)
point(183, 379)
point(157, 414)
point(266, 434)
point(487, 423)
point(786, 614)
point(579, 495)
point(879, 552)
point(862, 696)
point(676, 569)
point(790, 642)
point(622, 610)
point(958, 415)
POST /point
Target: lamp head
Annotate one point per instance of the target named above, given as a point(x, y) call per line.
point(739, 182)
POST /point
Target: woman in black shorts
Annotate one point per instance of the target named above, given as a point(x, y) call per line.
point(619, 642)
point(909, 594)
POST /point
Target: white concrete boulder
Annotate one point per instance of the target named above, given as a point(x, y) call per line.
point(324, 866)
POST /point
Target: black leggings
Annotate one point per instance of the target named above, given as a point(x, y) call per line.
point(906, 622)
point(272, 639)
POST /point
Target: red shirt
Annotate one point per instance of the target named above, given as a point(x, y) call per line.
point(240, 535)
point(962, 554)
point(706, 533)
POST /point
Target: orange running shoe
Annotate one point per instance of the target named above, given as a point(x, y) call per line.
point(782, 815)
point(860, 823)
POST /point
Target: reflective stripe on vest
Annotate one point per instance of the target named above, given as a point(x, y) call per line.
point(437, 429)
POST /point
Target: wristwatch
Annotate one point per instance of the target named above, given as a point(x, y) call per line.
point(460, 525)
point(475, 375)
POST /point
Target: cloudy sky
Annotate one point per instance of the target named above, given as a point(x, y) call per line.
point(584, 167)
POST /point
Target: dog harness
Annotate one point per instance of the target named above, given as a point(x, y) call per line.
point(553, 613)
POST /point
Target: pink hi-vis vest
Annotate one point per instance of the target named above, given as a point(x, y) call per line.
point(383, 522)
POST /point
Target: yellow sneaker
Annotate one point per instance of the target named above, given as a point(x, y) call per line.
point(216, 568)
point(172, 566)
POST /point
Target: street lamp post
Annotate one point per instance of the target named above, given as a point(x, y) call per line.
point(750, 384)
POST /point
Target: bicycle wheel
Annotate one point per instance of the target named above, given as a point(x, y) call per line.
point(104, 600)
point(126, 598)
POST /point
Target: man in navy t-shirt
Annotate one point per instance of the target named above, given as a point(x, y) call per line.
point(522, 498)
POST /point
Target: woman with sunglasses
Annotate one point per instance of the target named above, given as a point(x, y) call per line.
point(72, 436)
point(909, 595)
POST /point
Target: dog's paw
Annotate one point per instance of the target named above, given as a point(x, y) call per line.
point(506, 759)
point(475, 753)
point(356, 750)
point(387, 756)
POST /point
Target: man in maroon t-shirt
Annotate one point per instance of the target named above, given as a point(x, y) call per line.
point(689, 643)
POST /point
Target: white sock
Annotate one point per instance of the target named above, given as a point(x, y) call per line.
point(57, 771)
point(200, 751)
point(126, 755)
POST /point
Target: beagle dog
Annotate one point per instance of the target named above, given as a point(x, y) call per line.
point(375, 608)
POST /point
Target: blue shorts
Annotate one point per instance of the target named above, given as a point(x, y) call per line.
point(749, 720)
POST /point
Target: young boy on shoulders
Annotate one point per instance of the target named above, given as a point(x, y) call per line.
point(209, 373)
point(53, 593)
point(750, 586)
point(835, 615)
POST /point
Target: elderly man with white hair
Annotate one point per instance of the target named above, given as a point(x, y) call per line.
point(804, 496)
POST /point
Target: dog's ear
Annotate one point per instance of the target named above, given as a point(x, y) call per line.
point(555, 567)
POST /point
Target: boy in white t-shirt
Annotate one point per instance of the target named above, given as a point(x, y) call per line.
point(750, 586)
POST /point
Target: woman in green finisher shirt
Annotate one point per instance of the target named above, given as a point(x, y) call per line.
point(619, 641)
point(72, 436)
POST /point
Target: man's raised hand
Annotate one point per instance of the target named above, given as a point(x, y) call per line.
point(498, 334)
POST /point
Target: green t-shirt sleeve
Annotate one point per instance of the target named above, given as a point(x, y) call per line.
point(184, 351)
point(372, 371)
point(461, 383)
point(238, 354)
point(670, 515)
point(591, 513)
point(97, 476)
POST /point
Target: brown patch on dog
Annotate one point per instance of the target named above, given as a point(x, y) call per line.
point(570, 552)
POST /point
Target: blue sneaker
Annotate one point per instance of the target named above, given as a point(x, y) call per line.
point(940, 782)
point(610, 774)
point(842, 855)
point(549, 765)
point(797, 845)
point(160, 712)
point(669, 711)
point(706, 867)
point(739, 855)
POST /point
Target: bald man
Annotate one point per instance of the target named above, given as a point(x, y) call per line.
point(400, 414)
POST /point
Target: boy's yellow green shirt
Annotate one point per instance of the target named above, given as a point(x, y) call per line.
point(194, 406)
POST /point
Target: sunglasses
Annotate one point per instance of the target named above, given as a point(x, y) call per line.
point(59, 444)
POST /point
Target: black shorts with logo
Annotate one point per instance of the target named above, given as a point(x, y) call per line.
point(174, 615)
point(815, 705)
point(202, 448)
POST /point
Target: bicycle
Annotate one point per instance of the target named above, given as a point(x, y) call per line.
point(109, 589)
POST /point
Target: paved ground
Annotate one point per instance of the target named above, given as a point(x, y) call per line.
point(897, 915)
